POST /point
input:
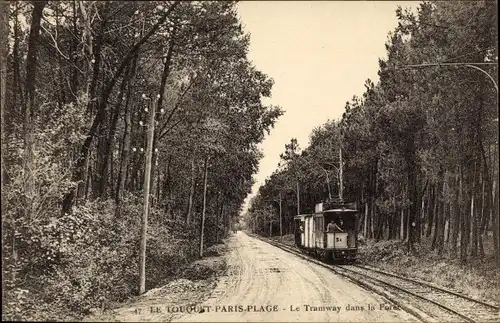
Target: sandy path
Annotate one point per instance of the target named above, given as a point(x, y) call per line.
point(268, 284)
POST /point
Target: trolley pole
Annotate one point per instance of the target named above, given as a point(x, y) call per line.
point(144, 222)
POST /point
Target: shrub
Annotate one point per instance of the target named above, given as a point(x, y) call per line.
point(89, 259)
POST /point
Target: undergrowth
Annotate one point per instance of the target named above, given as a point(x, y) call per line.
point(478, 278)
point(75, 264)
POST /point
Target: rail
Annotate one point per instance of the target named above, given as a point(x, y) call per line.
point(450, 305)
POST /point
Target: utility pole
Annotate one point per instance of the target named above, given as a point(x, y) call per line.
point(144, 222)
point(298, 198)
point(341, 189)
point(281, 226)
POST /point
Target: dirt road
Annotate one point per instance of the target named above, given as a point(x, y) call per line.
point(268, 284)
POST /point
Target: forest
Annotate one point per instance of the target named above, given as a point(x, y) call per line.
point(80, 80)
point(419, 149)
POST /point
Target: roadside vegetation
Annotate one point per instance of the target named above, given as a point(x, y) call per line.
point(191, 285)
point(78, 82)
point(479, 279)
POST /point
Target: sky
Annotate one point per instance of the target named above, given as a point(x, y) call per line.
point(319, 53)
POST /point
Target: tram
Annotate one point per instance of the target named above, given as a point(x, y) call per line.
point(330, 232)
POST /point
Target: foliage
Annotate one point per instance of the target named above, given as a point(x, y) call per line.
point(420, 145)
point(80, 79)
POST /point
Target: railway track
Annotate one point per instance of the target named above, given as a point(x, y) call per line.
point(428, 302)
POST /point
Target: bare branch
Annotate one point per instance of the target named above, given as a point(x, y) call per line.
point(56, 47)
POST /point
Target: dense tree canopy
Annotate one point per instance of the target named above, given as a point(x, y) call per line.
point(81, 78)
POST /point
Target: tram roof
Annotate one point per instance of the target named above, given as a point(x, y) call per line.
point(342, 211)
point(339, 210)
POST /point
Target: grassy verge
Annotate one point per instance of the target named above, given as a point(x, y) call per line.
point(478, 278)
point(87, 261)
point(288, 239)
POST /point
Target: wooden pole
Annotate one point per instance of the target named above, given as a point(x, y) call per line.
point(281, 227)
point(341, 188)
point(144, 222)
point(298, 198)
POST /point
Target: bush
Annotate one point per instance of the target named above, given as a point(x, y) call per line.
point(89, 260)
point(60, 266)
point(204, 268)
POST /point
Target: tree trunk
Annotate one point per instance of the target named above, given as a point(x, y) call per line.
point(73, 86)
point(390, 225)
point(447, 225)
point(205, 178)
point(87, 40)
point(443, 216)
point(422, 218)
point(191, 190)
point(161, 99)
point(461, 209)
point(365, 225)
point(455, 213)
point(413, 192)
point(99, 118)
point(438, 240)
point(167, 186)
point(29, 113)
point(219, 215)
point(4, 32)
point(436, 217)
point(109, 145)
point(18, 81)
point(487, 191)
point(125, 156)
point(496, 226)
point(88, 177)
point(431, 210)
point(476, 209)
point(481, 212)
point(397, 225)
point(479, 215)
point(465, 232)
point(402, 222)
